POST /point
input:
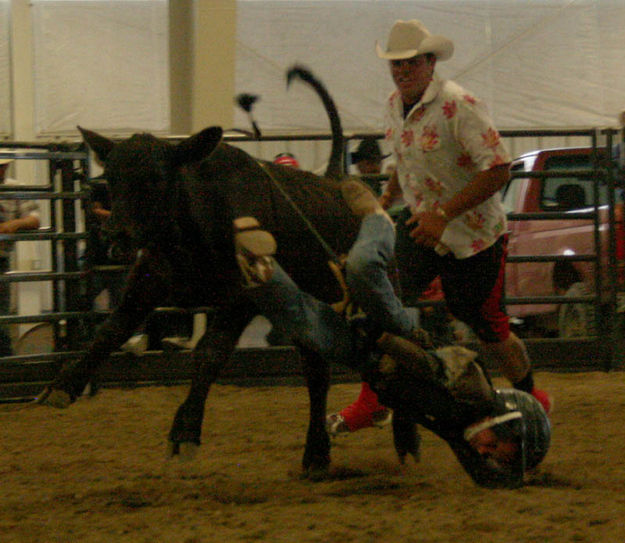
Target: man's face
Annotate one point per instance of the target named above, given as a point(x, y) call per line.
point(369, 166)
point(412, 76)
point(487, 444)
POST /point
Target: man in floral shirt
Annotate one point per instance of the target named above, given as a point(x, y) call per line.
point(451, 165)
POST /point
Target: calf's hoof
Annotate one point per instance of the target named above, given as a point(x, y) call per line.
point(184, 451)
point(406, 437)
point(316, 474)
point(317, 469)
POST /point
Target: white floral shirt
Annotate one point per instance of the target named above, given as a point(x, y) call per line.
point(442, 143)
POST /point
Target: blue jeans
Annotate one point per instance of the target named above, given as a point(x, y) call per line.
point(315, 325)
point(368, 281)
point(308, 321)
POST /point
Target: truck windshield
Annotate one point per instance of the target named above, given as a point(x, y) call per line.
point(566, 193)
point(571, 192)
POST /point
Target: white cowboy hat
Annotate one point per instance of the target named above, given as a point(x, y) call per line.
point(411, 38)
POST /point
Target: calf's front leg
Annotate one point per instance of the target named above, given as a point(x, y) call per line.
point(146, 288)
point(210, 356)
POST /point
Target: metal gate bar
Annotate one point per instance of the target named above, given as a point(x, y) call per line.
point(69, 171)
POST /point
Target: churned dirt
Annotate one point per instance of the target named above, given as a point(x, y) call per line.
point(97, 472)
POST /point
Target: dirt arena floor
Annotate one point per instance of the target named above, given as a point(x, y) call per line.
point(97, 473)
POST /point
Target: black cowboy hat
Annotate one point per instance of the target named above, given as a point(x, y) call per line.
point(369, 148)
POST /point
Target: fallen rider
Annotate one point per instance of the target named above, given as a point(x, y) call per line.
point(497, 435)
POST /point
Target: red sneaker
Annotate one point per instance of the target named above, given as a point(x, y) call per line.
point(544, 398)
point(337, 425)
point(365, 412)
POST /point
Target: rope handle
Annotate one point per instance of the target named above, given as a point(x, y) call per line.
point(342, 306)
point(336, 264)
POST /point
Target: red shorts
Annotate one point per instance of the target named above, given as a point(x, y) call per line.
point(473, 287)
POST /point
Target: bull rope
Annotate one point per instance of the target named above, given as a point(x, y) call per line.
point(335, 262)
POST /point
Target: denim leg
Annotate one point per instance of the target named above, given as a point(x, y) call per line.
point(308, 321)
point(367, 278)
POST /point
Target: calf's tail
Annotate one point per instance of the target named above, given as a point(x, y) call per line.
point(335, 167)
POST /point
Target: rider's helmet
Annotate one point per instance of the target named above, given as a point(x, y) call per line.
point(532, 428)
point(519, 417)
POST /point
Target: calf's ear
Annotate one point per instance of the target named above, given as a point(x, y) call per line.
point(196, 147)
point(100, 145)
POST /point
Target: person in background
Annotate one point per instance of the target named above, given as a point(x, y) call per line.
point(368, 157)
point(15, 216)
point(100, 251)
point(286, 159)
point(451, 165)
point(618, 148)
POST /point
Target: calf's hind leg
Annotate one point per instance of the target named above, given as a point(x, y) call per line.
point(316, 459)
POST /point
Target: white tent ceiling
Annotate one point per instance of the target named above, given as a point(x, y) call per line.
point(100, 64)
point(550, 63)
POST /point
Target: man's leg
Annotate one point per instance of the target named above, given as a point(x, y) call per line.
point(474, 289)
point(301, 317)
point(308, 321)
point(368, 280)
point(514, 362)
point(296, 314)
point(365, 412)
point(511, 357)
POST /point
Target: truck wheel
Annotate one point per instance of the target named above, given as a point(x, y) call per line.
point(576, 320)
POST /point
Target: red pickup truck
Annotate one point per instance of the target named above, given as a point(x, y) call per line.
point(570, 193)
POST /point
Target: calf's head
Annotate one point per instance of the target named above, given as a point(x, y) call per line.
point(142, 173)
